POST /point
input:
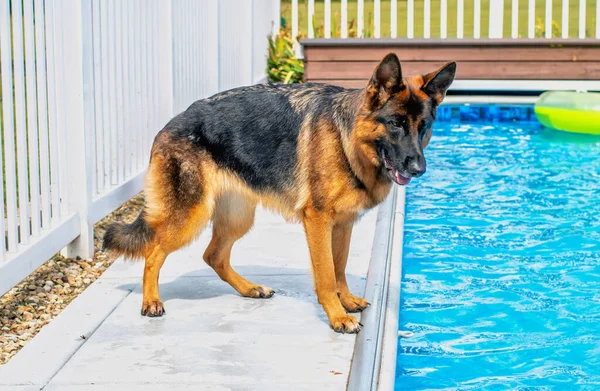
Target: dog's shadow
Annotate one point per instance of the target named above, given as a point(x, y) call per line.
point(204, 284)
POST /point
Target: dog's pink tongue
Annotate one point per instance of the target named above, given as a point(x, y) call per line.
point(400, 179)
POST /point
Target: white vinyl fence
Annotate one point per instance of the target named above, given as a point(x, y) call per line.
point(86, 84)
point(444, 18)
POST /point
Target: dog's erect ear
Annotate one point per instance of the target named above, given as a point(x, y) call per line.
point(437, 83)
point(386, 81)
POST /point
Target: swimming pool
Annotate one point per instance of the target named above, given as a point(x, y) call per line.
point(501, 267)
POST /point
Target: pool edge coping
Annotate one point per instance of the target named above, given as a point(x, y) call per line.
point(374, 360)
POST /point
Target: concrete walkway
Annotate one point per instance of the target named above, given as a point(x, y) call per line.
point(210, 337)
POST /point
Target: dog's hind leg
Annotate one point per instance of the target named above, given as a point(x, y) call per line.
point(340, 246)
point(151, 304)
point(233, 217)
point(178, 207)
point(169, 237)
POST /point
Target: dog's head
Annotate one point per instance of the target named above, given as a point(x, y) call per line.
point(399, 114)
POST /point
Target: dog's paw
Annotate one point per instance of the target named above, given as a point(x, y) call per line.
point(353, 303)
point(153, 308)
point(345, 324)
point(260, 292)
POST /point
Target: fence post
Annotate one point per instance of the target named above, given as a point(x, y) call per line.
point(77, 101)
point(275, 6)
point(295, 20)
point(165, 42)
point(496, 18)
point(234, 43)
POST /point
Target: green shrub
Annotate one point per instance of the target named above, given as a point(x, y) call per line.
point(540, 28)
point(282, 64)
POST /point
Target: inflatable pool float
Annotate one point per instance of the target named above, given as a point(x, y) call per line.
point(577, 112)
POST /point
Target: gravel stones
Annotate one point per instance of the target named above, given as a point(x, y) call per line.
point(40, 297)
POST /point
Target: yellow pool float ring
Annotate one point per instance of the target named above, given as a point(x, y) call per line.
point(576, 112)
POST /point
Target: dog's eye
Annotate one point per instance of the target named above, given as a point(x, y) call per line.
point(397, 123)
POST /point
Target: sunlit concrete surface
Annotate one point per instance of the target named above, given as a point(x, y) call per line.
point(210, 337)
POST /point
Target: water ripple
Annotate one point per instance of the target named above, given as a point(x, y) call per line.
point(501, 269)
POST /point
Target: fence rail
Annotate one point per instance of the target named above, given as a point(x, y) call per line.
point(86, 84)
point(517, 19)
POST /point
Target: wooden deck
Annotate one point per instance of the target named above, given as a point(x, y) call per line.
point(350, 62)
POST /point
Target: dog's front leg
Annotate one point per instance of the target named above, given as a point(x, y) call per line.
point(319, 228)
point(341, 245)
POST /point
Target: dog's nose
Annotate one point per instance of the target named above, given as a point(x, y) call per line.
point(416, 167)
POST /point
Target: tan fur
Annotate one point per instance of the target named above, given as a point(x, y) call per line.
point(341, 246)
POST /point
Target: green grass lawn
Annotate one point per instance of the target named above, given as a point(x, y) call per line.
point(286, 13)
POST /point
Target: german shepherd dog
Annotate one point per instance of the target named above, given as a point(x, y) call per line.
point(315, 153)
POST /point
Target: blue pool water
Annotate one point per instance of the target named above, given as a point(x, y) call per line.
point(501, 269)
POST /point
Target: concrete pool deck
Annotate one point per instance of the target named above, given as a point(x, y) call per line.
point(210, 337)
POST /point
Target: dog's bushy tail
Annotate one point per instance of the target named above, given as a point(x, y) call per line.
point(130, 240)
